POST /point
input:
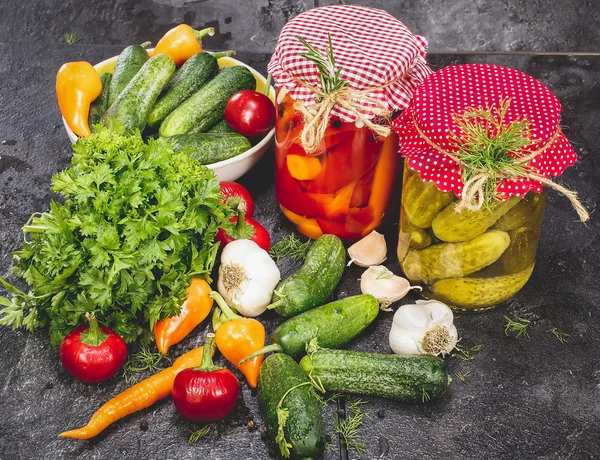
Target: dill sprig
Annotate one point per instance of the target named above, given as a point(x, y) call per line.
point(143, 360)
point(330, 76)
point(349, 428)
point(560, 336)
point(466, 353)
point(71, 38)
point(199, 434)
point(485, 144)
point(462, 376)
point(517, 325)
point(425, 396)
point(292, 247)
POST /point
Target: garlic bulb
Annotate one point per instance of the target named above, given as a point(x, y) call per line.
point(370, 250)
point(382, 284)
point(247, 277)
point(424, 328)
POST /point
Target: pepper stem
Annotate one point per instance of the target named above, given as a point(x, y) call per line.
point(220, 54)
point(273, 347)
point(207, 361)
point(241, 222)
point(204, 32)
point(225, 309)
point(93, 335)
point(268, 85)
point(145, 44)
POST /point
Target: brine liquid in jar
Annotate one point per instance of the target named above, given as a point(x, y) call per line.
point(472, 260)
point(344, 187)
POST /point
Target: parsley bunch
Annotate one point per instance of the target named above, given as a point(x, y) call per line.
point(137, 222)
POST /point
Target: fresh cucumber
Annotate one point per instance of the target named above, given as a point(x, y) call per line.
point(331, 325)
point(129, 62)
point(192, 75)
point(222, 127)
point(206, 107)
point(100, 104)
point(137, 99)
point(404, 378)
point(283, 385)
point(210, 148)
point(314, 282)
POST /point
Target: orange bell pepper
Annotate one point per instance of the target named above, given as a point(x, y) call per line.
point(77, 86)
point(302, 167)
point(237, 337)
point(196, 307)
point(181, 43)
point(308, 227)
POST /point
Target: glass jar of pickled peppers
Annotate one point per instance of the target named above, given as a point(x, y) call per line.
point(480, 143)
point(342, 182)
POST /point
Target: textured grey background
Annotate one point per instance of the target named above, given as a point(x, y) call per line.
point(525, 399)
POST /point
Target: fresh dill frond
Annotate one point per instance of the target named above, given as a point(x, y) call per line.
point(466, 353)
point(199, 434)
point(349, 429)
point(425, 396)
point(330, 76)
point(560, 336)
point(143, 360)
point(517, 325)
point(462, 376)
point(292, 247)
point(71, 38)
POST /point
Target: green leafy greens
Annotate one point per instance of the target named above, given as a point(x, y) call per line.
point(136, 223)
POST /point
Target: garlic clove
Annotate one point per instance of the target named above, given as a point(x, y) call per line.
point(370, 250)
point(382, 284)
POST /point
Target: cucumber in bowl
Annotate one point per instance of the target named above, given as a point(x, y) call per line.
point(225, 170)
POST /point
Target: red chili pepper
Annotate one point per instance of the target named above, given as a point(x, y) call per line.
point(246, 229)
point(205, 394)
point(92, 354)
point(234, 192)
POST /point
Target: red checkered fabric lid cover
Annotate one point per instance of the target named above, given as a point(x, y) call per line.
point(454, 89)
point(372, 47)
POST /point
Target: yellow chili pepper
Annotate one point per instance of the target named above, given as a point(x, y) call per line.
point(77, 85)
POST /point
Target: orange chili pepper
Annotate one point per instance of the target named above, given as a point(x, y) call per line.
point(181, 43)
point(196, 307)
point(77, 86)
point(137, 397)
point(238, 337)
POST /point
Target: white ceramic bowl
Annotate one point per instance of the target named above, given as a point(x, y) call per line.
point(232, 168)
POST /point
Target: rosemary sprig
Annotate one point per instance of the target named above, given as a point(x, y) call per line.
point(292, 247)
point(485, 143)
point(199, 434)
point(71, 38)
point(462, 376)
point(560, 336)
point(330, 76)
point(517, 325)
point(349, 428)
point(143, 360)
point(466, 353)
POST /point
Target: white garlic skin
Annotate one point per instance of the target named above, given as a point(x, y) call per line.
point(368, 251)
point(411, 322)
point(382, 284)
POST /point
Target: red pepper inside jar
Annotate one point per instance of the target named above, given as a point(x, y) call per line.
point(340, 72)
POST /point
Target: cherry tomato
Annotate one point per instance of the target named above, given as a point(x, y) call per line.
point(92, 354)
point(250, 113)
point(249, 229)
point(205, 394)
point(235, 190)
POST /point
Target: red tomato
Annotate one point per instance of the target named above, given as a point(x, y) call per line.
point(233, 189)
point(250, 230)
point(92, 354)
point(250, 113)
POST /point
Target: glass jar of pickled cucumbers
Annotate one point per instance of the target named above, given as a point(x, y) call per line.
point(472, 260)
point(344, 187)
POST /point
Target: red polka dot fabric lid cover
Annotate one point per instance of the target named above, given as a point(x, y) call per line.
point(456, 88)
point(371, 46)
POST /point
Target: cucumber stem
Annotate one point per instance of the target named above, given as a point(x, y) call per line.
point(220, 54)
point(204, 32)
point(279, 303)
point(273, 347)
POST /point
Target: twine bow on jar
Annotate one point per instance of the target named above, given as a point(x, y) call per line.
point(489, 151)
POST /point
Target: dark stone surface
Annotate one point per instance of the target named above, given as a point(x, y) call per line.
point(525, 399)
